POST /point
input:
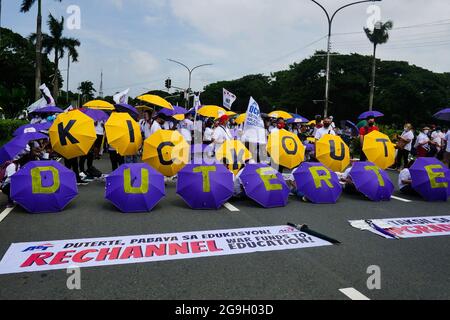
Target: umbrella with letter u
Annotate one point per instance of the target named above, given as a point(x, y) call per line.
point(44, 187)
point(264, 185)
point(135, 188)
point(286, 149)
point(205, 186)
point(123, 134)
point(379, 149)
point(332, 152)
point(431, 179)
point(372, 181)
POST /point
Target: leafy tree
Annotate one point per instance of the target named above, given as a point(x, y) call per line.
point(87, 90)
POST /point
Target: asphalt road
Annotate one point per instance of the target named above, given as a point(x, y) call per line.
point(410, 269)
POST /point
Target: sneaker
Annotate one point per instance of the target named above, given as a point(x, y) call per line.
point(83, 175)
point(304, 199)
point(82, 183)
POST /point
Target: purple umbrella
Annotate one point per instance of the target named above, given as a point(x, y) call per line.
point(176, 110)
point(264, 185)
point(30, 128)
point(123, 107)
point(96, 115)
point(135, 188)
point(17, 145)
point(354, 127)
point(431, 179)
point(297, 119)
point(319, 184)
point(205, 186)
point(443, 115)
point(372, 181)
point(49, 109)
point(44, 187)
point(375, 114)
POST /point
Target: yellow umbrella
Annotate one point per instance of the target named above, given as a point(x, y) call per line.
point(99, 105)
point(72, 134)
point(281, 114)
point(332, 152)
point(143, 108)
point(241, 118)
point(379, 149)
point(179, 117)
point(286, 149)
point(231, 113)
point(156, 100)
point(234, 154)
point(311, 139)
point(212, 112)
point(167, 152)
point(123, 134)
point(314, 122)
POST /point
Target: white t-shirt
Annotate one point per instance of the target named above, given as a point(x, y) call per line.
point(404, 175)
point(408, 135)
point(186, 127)
point(437, 138)
point(422, 139)
point(323, 131)
point(155, 128)
point(10, 171)
point(220, 135)
point(447, 138)
point(99, 130)
point(208, 134)
point(238, 189)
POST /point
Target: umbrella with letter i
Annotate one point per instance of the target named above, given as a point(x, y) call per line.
point(431, 179)
point(123, 134)
point(372, 181)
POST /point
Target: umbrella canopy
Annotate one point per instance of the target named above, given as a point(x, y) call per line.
point(123, 134)
point(167, 152)
point(31, 128)
point(297, 119)
point(135, 188)
point(156, 100)
point(332, 152)
point(143, 108)
point(354, 127)
point(372, 181)
point(176, 111)
point(443, 115)
point(124, 107)
point(231, 114)
point(431, 179)
point(73, 134)
point(318, 183)
point(368, 114)
point(212, 112)
point(286, 149)
point(241, 118)
point(96, 115)
point(280, 114)
point(379, 149)
point(205, 186)
point(49, 109)
point(264, 185)
point(99, 105)
point(44, 187)
point(17, 145)
point(234, 154)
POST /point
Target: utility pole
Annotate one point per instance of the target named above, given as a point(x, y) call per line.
point(68, 75)
point(101, 85)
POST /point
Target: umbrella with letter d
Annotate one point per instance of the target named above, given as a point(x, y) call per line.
point(135, 188)
point(205, 186)
point(372, 181)
point(431, 179)
point(319, 184)
point(264, 185)
point(44, 187)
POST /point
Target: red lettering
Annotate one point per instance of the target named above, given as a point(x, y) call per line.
point(175, 248)
point(153, 250)
point(61, 256)
point(423, 229)
point(446, 227)
point(198, 247)
point(111, 254)
point(132, 252)
point(80, 256)
point(38, 259)
point(212, 246)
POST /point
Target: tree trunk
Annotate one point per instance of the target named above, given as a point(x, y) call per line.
point(38, 52)
point(374, 70)
point(56, 77)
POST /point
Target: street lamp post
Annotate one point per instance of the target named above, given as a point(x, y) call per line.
point(190, 75)
point(330, 19)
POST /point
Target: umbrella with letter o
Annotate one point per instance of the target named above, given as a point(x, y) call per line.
point(431, 179)
point(234, 154)
point(73, 134)
point(264, 185)
point(372, 181)
point(332, 152)
point(123, 134)
point(379, 149)
point(167, 152)
point(286, 149)
point(44, 187)
point(319, 184)
point(205, 186)
point(135, 188)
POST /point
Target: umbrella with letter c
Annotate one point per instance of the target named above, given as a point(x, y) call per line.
point(431, 179)
point(372, 181)
point(123, 134)
point(332, 152)
point(379, 149)
point(286, 149)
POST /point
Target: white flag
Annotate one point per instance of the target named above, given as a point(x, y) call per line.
point(197, 103)
point(228, 99)
point(121, 97)
point(41, 103)
point(254, 131)
point(47, 95)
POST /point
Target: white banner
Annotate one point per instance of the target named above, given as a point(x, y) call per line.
point(228, 99)
point(405, 228)
point(57, 255)
point(254, 131)
point(121, 97)
point(47, 95)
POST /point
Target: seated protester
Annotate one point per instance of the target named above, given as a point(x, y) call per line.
point(346, 180)
point(405, 181)
point(11, 169)
point(292, 184)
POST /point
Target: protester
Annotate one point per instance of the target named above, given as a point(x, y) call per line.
point(326, 129)
point(364, 131)
point(405, 181)
point(404, 146)
point(208, 135)
point(157, 124)
point(11, 169)
point(100, 131)
point(447, 149)
point(422, 143)
point(221, 133)
point(438, 142)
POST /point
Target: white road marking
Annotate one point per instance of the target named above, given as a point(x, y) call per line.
point(5, 213)
point(354, 294)
point(230, 207)
point(401, 199)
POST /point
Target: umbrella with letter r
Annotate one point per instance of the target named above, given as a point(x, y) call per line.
point(135, 188)
point(44, 187)
point(431, 179)
point(205, 186)
point(264, 185)
point(372, 181)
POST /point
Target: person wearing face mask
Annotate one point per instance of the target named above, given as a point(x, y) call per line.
point(422, 143)
point(364, 131)
point(404, 146)
point(326, 129)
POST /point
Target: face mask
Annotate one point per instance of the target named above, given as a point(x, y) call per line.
point(371, 124)
point(327, 125)
point(426, 132)
point(281, 126)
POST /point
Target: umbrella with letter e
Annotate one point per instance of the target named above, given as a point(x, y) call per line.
point(431, 179)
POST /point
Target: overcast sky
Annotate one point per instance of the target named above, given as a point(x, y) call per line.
point(132, 39)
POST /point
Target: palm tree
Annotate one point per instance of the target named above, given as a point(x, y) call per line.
point(379, 35)
point(58, 44)
point(87, 90)
point(26, 7)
